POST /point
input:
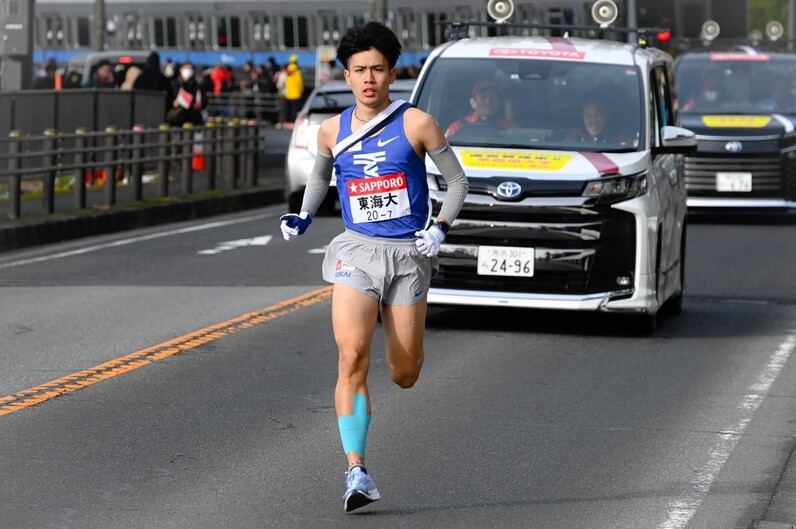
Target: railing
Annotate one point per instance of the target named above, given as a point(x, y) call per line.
point(35, 111)
point(261, 106)
point(85, 159)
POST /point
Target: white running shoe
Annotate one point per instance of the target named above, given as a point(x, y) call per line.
point(360, 489)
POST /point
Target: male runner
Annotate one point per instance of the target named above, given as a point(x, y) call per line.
point(387, 253)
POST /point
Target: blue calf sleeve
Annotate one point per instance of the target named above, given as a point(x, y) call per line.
point(354, 428)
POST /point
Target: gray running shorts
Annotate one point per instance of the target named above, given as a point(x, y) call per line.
point(391, 271)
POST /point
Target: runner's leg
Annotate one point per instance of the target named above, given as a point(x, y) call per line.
point(353, 320)
point(404, 329)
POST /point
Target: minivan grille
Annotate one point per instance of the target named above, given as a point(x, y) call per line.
point(768, 175)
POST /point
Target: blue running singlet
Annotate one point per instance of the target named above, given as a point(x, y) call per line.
point(381, 182)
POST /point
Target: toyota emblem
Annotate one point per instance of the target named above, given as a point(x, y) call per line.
point(509, 189)
point(733, 146)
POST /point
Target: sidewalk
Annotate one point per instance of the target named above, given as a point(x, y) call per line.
point(68, 223)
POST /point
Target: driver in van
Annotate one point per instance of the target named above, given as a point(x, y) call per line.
point(486, 100)
point(781, 99)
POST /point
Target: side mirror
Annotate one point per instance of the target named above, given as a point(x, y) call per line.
point(676, 140)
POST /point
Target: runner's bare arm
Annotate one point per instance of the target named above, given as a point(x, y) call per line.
point(426, 136)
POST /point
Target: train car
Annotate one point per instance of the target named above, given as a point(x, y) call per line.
point(233, 32)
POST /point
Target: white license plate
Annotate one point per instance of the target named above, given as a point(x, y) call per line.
point(505, 261)
point(734, 182)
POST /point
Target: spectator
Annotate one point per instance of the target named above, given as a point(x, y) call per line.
point(51, 80)
point(280, 80)
point(265, 81)
point(249, 81)
point(152, 78)
point(272, 68)
point(294, 90)
point(102, 77)
point(222, 79)
point(191, 99)
point(169, 68)
point(130, 77)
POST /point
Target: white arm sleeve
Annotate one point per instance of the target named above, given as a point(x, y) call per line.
point(451, 170)
point(318, 183)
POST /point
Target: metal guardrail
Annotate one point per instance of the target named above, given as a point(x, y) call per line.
point(247, 105)
point(227, 148)
point(35, 111)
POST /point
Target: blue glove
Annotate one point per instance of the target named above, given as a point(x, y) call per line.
point(294, 225)
point(428, 241)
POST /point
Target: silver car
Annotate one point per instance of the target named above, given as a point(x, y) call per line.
point(324, 102)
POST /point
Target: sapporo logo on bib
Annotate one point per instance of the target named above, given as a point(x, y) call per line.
point(379, 198)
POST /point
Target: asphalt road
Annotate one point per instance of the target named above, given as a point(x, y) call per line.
point(211, 402)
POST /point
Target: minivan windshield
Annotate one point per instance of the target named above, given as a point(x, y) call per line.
point(520, 103)
point(737, 83)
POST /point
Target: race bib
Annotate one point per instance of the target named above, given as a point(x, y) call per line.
point(379, 198)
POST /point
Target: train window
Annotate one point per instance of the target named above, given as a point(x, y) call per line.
point(234, 32)
point(406, 26)
point(83, 32)
point(435, 33)
point(330, 28)
point(165, 31)
point(261, 34)
point(296, 33)
point(228, 32)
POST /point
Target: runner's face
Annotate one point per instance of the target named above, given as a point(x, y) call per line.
point(370, 77)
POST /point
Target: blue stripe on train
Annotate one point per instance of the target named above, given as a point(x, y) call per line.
point(211, 58)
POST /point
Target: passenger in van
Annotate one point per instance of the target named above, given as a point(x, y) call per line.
point(487, 103)
point(102, 77)
point(781, 99)
point(710, 94)
point(599, 125)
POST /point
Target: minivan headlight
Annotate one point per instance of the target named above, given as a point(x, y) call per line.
point(616, 189)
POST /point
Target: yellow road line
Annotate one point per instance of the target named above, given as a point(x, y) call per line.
point(60, 386)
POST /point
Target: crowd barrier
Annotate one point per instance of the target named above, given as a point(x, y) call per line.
point(55, 161)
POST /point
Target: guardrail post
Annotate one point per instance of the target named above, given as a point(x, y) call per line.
point(211, 152)
point(137, 166)
point(50, 162)
point(15, 180)
point(234, 153)
point(252, 132)
point(81, 171)
point(111, 142)
point(186, 155)
point(163, 155)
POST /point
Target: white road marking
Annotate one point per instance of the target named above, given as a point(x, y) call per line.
point(322, 249)
point(682, 510)
point(133, 240)
point(240, 243)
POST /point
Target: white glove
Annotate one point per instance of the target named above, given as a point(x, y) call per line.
point(294, 225)
point(428, 241)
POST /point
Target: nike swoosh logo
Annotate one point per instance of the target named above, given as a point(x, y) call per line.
point(385, 142)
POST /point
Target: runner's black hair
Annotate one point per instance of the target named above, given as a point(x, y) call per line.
point(371, 35)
